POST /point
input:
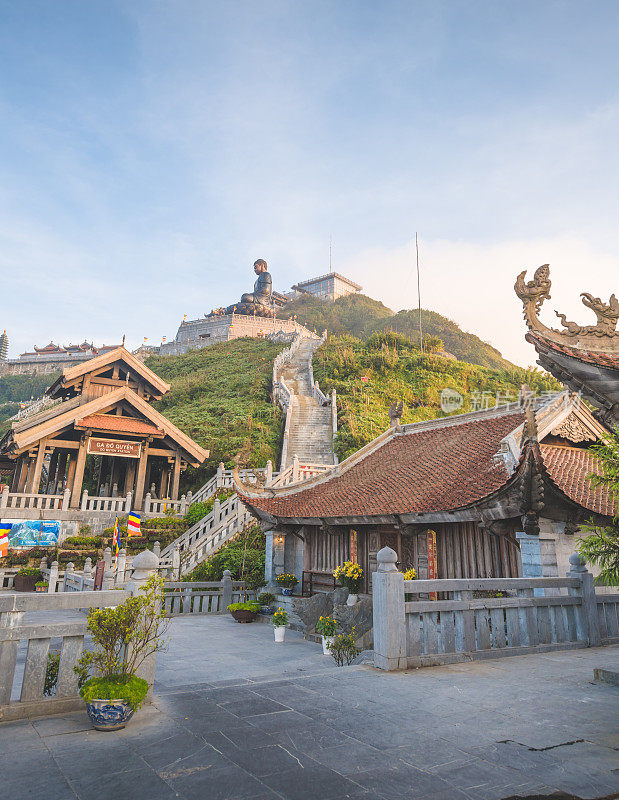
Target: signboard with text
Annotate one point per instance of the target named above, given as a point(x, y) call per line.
point(353, 546)
point(432, 561)
point(114, 447)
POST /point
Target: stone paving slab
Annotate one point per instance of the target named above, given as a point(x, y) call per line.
point(523, 727)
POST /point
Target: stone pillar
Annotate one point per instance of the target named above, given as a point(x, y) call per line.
point(588, 618)
point(183, 506)
point(87, 568)
point(43, 564)
point(128, 501)
point(274, 558)
point(107, 557)
point(226, 589)
point(66, 499)
point(120, 567)
point(388, 611)
point(53, 577)
point(8, 654)
point(4, 499)
point(295, 468)
point(269, 472)
point(220, 475)
point(84, 503)
point(108, 580)
point(68, 571)
point(157, 549)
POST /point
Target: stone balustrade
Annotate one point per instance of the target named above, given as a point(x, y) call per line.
point(536, 615)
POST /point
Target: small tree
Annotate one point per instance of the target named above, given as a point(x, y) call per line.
point(601, 545)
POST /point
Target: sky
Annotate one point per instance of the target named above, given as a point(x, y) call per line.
point(151, 151)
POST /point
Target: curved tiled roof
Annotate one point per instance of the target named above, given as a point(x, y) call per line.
point(568, 467)
point(610, 360)
point(426, 470)
point(111, 422)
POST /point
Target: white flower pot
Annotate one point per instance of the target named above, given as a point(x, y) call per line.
point(352, 599)
point(279, 631)
point(326, 641)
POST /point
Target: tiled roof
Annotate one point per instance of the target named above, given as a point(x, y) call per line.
point(568, 467)
point(428, 470)
point(111, 422)
point(599, 359)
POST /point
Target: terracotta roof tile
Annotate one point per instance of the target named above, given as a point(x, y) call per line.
point(568, 467)
point(437, 469)
point(600, 359)
point(111, 422)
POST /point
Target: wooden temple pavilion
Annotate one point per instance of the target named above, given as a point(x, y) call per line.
point(454, 497)
point(103, 409)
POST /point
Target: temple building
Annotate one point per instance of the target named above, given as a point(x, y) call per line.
point(327, 287)
point(583, 357)
point(495, 493)
point(101, 421)
point(53, 358)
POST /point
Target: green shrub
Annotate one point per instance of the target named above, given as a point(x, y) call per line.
point(344, 649)
point(131, 689)
point(31, 572)
point(83, 542)
point(266, 598)
point(243, 556)
point(244, 607)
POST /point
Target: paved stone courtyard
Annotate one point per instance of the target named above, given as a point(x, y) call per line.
point(286, 724)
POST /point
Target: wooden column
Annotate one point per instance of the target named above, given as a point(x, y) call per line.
point(34, 477)
point(141, 479)
point(176, 477)
point(78, 475)
point(25, 471)
point(130, 475)
point(71, 462)
point(163, 481)
point(19, 465)
point(51, 475)
point(62, 470)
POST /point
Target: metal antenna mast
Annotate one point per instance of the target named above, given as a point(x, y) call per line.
point(330, 248)
point(419, 293)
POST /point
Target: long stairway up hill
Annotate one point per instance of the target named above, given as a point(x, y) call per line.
point(311, 429)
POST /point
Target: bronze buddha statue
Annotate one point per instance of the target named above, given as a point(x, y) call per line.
point(258, 302)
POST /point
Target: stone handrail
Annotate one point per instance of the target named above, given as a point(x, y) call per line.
point(538, 615)
point(32, 500)
point(211, 597)
point(120, 505)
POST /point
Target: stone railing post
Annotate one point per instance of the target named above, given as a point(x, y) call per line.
point(66, 498)
point(120, 567)
point(145, 564)
point(107, 557)
point(68, 572)
point(220, 475)
point(43, 564)
point(53, 577)
point(269, 472)
point(216, 511)
point(183, 506)
point(295, 468)
point(226, 589)
point(189, 498)
point(87, 571)
point(589, 616)
point(128, 501)
point(147, 503)
point(157, 549)
point(84, 503)
point(388, 610)
point(4, 498)
point(8, 654)
point(108, 580)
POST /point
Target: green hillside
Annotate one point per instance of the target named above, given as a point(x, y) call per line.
point(361, 316)
point(220, 397)
point(396, 369)
point(15, 389)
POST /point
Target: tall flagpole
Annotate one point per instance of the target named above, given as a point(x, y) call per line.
point(330, 248)
point(419, 293)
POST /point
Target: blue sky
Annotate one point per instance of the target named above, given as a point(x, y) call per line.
point(151, 151)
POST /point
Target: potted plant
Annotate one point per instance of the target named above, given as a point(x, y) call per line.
point(280, 620)
point(244, 612)
point(123, 637)
point(327, 626)
point(26, 579)
point(265, 599)
point(349, 574)
point(287, 583)
point(41, 586)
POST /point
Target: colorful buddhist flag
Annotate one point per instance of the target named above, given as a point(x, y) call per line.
point(5, 529)
point(133, 524)
point(115, 545)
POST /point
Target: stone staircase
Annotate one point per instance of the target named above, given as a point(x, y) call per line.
point(310, 435)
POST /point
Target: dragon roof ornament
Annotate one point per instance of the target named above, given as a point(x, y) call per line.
point(602, 337)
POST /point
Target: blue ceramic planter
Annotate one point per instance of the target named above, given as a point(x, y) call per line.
point(287, 592)
point(109, 715)
point(266, 610)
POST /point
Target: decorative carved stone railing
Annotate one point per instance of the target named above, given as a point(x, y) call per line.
point(538, 615)
point(30, 500)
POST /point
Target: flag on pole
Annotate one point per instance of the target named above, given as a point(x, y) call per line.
point(5, 529)
point(115, 546)
point(133, 524)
